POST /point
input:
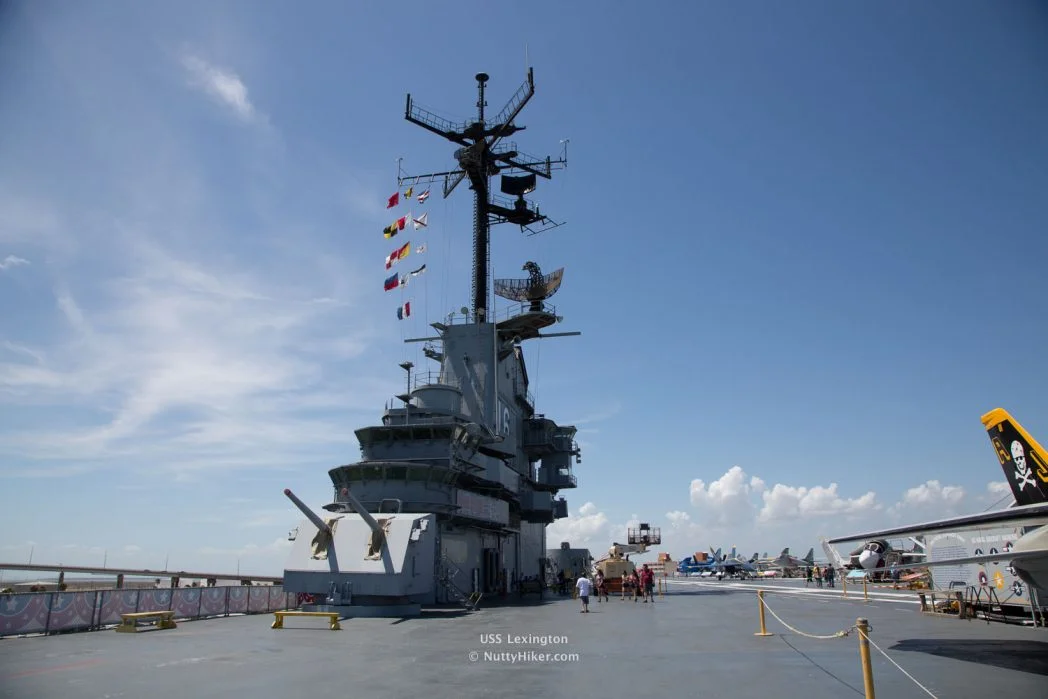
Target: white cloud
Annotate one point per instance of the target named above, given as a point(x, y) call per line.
point(12, 261)
point(586, 528)
point(931, 500)
point(728, 499)
point(783, 503)
point(223, 85)
point(998, 488)
point(193, 365)
point(678, 517)
point(610, 410)
point(740, 509)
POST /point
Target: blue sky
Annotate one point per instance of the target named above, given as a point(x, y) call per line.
point(803, 247)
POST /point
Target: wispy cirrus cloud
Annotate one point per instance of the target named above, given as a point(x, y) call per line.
point(12, 261)
point(222, 85)
point(184, 327)
point(193, 366)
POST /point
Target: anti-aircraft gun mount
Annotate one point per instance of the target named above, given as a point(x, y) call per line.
point(369, 562)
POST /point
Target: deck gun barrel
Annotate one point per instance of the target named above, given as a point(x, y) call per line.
point(310, 514)
point(360, 510)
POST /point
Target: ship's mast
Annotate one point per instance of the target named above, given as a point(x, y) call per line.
point(482, 154)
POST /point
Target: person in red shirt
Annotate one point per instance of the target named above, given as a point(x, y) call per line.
point(647, 579)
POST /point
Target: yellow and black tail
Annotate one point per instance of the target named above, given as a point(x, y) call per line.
point(1024, 461)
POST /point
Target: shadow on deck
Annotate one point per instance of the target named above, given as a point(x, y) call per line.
point(1025, 656)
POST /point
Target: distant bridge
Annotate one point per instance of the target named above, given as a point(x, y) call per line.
point(145, 572)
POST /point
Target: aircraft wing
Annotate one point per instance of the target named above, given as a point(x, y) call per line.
point(1008, 556)
point(1023, 516)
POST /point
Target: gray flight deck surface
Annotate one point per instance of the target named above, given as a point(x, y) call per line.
point(701, 634)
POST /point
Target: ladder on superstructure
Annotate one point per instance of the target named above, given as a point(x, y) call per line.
point(446, 574)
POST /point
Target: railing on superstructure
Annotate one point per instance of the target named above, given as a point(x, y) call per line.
point(512, 310)
point(420, 379)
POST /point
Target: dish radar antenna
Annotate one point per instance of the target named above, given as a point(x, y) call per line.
point(534, 290)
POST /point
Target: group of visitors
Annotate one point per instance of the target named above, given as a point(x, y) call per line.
point(827, 574)
point(638, 583)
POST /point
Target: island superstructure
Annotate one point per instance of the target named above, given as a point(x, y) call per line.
point(453, 492)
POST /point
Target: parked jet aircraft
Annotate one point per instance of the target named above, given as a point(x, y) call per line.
point(1025, 465)
point(735, 566)
point(787, 563)
point(693, 565)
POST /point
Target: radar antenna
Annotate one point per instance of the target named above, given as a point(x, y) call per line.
point(482, 155)
point(535, 289)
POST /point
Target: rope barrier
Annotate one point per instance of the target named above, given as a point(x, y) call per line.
point(897, 666)
point(861, 626)
point(840, 634)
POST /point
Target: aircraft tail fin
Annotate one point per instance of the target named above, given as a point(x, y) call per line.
point(832, 555)
point(810, 556)
point(1024, 461)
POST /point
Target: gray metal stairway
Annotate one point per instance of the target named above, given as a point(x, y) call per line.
point(447, 571)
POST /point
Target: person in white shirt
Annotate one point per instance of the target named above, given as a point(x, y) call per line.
point(584, 586)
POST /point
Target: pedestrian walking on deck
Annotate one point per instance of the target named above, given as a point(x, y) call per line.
point(584, 586)
point(601, 585)
point(647, 581)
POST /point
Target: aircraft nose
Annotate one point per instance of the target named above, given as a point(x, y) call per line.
point(868, 559)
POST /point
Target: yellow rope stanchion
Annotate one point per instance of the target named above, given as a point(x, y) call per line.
point(864, 653)
point(760, 606)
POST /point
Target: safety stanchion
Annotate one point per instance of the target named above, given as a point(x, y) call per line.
point(760, 606)
point(865, 592)
point(863, 626)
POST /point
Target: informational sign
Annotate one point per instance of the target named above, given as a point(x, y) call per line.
point(992, 574)
point(482, 507)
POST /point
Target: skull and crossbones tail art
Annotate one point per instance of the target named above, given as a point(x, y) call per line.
point(1023, 476)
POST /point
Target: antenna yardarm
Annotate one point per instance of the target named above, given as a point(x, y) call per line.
point(481, 155)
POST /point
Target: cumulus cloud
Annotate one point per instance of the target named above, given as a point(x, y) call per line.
point(729, 498)
point(678, 517)
point(784, 502)
point(588, 527)
point(931, 499)
point(998, 488)
point(12, 261)
point(222, 85)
